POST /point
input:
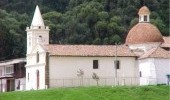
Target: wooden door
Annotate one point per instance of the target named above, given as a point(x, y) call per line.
point(10, 84)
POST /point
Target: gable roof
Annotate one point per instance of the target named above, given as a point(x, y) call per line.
point(156, 53)
point(89, 50)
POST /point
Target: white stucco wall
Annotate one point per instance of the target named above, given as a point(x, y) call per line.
point(31, 58)
point(31, 82)
point(2, 69)
point(32, 67)
point(33, 38)
point(147, 69)
point(162, 69)
point(66, 68)
point(154, 71)
point(141, 48)
point(3, 85)
point(144, 46)
point(22, 84)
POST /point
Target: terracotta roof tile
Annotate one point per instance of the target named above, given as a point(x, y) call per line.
point(88, 50)
point(156, 53)
point(142, 33)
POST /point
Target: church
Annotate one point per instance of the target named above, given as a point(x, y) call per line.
point(142, 60)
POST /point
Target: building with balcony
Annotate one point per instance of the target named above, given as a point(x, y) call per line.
point(12, 75)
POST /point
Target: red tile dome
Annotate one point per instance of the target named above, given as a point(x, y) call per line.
point(143, 33)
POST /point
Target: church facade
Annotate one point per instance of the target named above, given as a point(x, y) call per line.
point(137, 62)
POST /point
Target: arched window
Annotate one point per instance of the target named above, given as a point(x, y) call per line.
point(40, 39)
point(38, 79)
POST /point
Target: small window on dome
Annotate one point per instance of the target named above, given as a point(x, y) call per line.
point(145, 18)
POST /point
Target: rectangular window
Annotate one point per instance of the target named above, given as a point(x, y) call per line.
point(95, 64)
point(117, 64)
point(145, 18)
point(9, 69)
point(140, 74)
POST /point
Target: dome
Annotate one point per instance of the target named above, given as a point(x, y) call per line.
point(142, 33)
point(144, 10)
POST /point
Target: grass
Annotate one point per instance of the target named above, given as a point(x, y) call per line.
point(92, 93)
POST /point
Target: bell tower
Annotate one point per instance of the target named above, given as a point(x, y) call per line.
point(37, 33)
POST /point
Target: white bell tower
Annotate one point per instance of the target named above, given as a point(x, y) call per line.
point(37, 33)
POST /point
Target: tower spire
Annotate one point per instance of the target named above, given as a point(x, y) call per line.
point(37, 18)
point(37, 33)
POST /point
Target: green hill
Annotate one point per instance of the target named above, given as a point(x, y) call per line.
point(93, 93)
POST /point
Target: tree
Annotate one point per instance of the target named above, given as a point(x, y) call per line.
point(13, 34)
point(103, 15)
point(101, 28)
point(53, 19)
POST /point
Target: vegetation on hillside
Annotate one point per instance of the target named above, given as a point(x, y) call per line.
point(75, 21)
point(92, 93)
